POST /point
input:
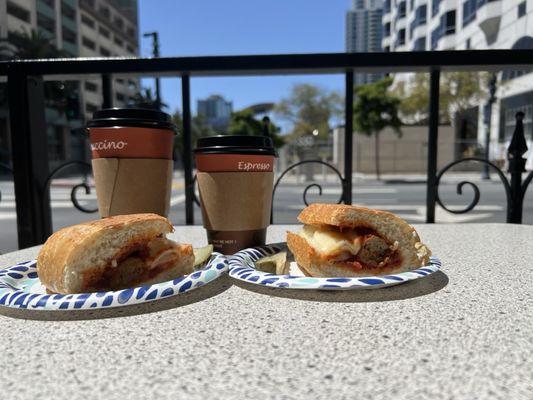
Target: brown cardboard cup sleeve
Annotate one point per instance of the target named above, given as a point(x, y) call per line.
point(132, 185)
point(235, 208)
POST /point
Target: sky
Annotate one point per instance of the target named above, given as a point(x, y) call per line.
point(240, 27)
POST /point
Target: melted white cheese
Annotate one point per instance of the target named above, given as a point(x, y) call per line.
point(331, 242)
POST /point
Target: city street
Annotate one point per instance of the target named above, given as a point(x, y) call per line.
point(404, 198)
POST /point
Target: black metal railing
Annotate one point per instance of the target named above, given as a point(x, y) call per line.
point(29, 143)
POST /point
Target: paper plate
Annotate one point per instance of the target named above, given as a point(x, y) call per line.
point(242, 267)
point(20, 288)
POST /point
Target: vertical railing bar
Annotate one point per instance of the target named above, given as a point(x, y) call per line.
point(30, 158)
point(348, 138)
point(187, 149)
point(433, 135)
point(107, 91)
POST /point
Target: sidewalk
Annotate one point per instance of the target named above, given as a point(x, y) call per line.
point(401, 178)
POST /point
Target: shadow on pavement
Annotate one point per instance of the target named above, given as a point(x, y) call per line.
point(411, 289)
point(212, 289)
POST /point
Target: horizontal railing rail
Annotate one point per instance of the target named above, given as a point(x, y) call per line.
point(424, 61)
point(27, 122)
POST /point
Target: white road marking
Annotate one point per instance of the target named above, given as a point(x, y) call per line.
point(177, 199)
point(7, 215)
point(53, 204)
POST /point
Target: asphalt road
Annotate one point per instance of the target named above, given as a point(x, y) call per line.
point(404, 199)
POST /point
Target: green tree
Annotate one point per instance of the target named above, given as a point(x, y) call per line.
point(22, 45)
point(145, 99)
point(459, 91)
point(37, 45)
point(375, 109)
point(245, 123)
point(309, 108)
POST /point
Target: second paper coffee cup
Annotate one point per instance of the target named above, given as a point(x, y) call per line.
point(235, 178)
point(132, 160)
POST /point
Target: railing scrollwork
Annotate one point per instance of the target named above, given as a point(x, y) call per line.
point(74, 191)
point(310, 186)
point(515, 189)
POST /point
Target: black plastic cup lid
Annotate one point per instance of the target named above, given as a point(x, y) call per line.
point(134, 117)
point(235, 144)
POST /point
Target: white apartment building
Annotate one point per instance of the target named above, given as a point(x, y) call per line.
point(418, 25)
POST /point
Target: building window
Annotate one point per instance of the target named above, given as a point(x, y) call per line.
point(386, 29)
point(521, 9)
point(18, 12)
point(104, 11)
point(468, 43)
point(131, 33)
point(88, 3)
point(88, 43)
point(130, 49)
point(49, 3)
point(120, 96)
point(91, 87)
point(104, 32)
point(46, 23)
point(422, 14)
point(401, 37)
point(386, 6)
point(448, 23)
point(67, 11)
point(420, 44)
point(119, 23)
point(435, 7)
point(435, 36)
point(469, 11)
point(386, 49)
point(68, 35)
point(87, 21)
point(402, 9)
point(104, 52)
point(90, 107)
point(118, 42)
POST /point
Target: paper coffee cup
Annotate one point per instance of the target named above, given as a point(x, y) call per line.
point(235, 178)
point(132, 160)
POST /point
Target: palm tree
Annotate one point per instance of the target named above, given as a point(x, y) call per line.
point(25, 46)
point(145, 99)
point(37, 45)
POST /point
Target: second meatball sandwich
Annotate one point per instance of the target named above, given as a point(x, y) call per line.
point(344, 240)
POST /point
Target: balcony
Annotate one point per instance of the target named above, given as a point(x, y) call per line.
point(488, 17)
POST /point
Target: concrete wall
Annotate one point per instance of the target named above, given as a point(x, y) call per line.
point(397, 154)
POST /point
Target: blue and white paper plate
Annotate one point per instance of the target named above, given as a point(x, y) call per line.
point(20, 288)
point(242, 267)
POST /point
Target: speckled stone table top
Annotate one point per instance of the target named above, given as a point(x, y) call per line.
point(463, 333)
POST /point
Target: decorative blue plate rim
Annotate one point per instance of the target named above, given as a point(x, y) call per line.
point(16, 282)
point(242, 267)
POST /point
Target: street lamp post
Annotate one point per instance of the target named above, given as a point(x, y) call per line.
point(487, 117)
point(155, 53)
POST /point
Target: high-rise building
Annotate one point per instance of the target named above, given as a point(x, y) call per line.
point(216, 111)
point(364, 32)
point(80, 28)
point(418, 25)
point(108, 28)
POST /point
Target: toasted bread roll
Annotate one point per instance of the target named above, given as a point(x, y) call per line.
point(343, 240)
point(112, 253)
